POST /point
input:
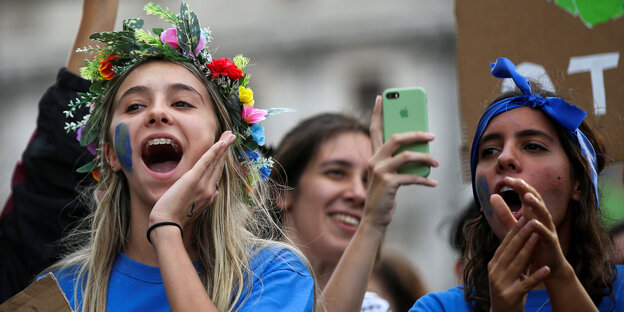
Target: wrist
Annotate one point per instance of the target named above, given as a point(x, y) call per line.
point(158, 228)
point(561, 276)
point(369, 228)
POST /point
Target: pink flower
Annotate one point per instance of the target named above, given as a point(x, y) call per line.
point(252, 115)
point(201, 44)
point(170, 37)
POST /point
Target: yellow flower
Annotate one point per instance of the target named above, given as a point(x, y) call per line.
point(245, 96)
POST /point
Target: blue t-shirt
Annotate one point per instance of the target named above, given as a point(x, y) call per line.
point(453, 299)
point(280, 282)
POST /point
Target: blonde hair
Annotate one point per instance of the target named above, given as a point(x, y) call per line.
point(225, 236)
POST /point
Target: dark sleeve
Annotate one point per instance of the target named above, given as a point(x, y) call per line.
point(42, 204)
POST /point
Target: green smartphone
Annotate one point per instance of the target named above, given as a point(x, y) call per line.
point(405, 110)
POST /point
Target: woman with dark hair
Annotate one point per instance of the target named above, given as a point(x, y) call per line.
point(538, 243)
point(339, 197)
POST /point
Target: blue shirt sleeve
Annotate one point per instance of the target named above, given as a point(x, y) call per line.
point(450, 300)
point(281, 282)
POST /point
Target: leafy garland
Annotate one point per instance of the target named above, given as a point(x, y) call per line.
point(185, 41)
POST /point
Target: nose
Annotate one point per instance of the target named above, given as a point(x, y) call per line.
point(508, 160)
point(157, 114)
point(356, 194)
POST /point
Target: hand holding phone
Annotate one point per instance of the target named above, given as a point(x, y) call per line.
point(405, 110)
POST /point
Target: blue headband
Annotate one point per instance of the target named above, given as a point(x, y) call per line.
point(568, 116)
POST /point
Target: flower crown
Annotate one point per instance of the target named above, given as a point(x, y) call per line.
point(184, 41)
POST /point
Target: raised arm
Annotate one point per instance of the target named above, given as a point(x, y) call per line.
point(97, 16)
point(42, 204)
point(347, 284)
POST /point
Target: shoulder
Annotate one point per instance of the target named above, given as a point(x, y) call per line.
point(449, 300)
point(67, 278)
point(279, 281)
point(615, 302)
point(277, 258)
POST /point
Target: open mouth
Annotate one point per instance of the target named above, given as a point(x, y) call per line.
point(161, 154)
point(511, 198)
point(346, 219)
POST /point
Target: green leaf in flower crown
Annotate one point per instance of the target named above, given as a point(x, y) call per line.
point(251, 145)
point(92, 165)
point(188, 29)
point(132, 24)
point(157, 31)
point(165, 14)
point(234, 109)
point(88, 134)
point(118, 40)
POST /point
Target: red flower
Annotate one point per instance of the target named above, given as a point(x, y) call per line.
point(106, 68)
point(225, 67)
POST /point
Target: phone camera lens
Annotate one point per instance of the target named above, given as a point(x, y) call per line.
point(393, 95)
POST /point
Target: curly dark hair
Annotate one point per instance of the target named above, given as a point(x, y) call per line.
point(591, 249)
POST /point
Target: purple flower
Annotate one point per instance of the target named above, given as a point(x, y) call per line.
point(91, 147)
point(79, 133)
point(257, 133)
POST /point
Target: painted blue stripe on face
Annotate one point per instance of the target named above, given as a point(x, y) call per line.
point(123, 149)
point(483, 192)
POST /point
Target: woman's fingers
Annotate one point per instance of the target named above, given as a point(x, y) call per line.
point(387, 167)
point(513, 243)
point(398, 139)
point(533, 205)
point(537, 208)
point(208, 159)
point(499, 214)
point(217, 171)
point(411, 179)
point(521, 261)
point(376, 126)
point(534, 279)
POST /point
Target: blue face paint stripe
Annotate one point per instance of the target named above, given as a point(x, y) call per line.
point(483, 192)
point(123, 149)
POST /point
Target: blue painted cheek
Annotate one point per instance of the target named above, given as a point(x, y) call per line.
point(483, 192)
point(123, 149)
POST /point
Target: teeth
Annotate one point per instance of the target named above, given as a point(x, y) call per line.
point(346, 219)
point(505, 189)
point(161, 141)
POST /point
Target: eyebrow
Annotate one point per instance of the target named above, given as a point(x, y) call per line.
point(339, 162)
point(521, 134)
point(133, 90)
point(174, 87)
point(184, 87)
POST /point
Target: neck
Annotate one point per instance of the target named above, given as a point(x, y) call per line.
point(322, 269)
point(138, 248)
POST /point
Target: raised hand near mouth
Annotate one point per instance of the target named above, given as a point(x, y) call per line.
point(531, 253)
point(509, 270)
point(196, 189)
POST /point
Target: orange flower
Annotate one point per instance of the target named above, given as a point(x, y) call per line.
point(106, 68)
point(96, 174)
